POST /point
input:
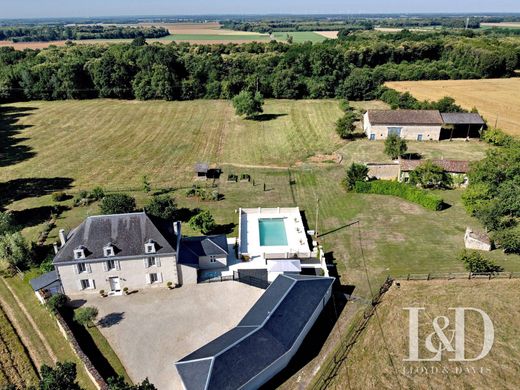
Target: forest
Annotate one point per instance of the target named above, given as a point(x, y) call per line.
point(354, 67)
point(49, 33)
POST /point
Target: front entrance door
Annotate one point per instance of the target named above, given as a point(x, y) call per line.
point(115, 285)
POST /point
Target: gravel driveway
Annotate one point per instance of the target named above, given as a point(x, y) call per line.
point(152, 329)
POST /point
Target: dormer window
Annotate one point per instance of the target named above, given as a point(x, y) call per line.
point(79, 253)
point(149, 247)
point(108, 250)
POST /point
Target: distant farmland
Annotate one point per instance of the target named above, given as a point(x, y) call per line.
point(496, 99)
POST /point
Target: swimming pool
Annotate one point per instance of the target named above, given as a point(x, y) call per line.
point(272, 232)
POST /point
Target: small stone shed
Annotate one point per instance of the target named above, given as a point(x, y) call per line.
point(477, 240)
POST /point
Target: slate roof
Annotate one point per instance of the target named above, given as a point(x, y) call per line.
point(192, 248)
point(462, 118)
point(451, 166)
point(267, 332)
point(405, 117)
point(201, 167)
point(126, 232)
point(47, 280)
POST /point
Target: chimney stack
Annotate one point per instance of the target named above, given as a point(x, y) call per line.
point(63, 238)
point(177, 229)
point(55, 246)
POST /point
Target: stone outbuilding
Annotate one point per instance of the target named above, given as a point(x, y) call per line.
point(477, 241)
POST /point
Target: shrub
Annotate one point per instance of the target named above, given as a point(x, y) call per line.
point(97, 193)
point(15, 250)
point(395, 146)
point(6, 223)
point(345, 126)
point(57, 302)
point(429, 175)
point(401, 190)
point(344, 105)
point(476, 263)
point(496, 137)
point(85, 315)
point(117, 204)
point(509, 239)
point(162, 206)
point(59, 196)
point(203, 221)
point(245, 103)
point(356, 172)
point(125, 290)
point(63, 376)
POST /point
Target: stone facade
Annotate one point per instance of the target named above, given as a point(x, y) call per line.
point(407, 132)
point(477, 241)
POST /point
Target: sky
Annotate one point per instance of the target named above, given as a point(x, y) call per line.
point(89, 8)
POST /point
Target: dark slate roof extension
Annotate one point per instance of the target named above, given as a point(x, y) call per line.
point(462, 118)
point(128, 234)
point(47, 280)
point(194, 247)
point(405, 117)
point(269, 331)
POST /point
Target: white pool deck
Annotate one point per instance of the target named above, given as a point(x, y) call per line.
point(249, 234)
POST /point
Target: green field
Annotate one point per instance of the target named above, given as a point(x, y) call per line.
point(216, 37)
point(300, 36)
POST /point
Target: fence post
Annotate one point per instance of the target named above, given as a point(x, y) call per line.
point(469, 275)
point(408, 278)
point(428, 278)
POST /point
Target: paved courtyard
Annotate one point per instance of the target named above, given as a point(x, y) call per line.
point(152, 329)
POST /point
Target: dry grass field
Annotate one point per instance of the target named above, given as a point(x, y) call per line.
point(501, 24)
point(496, 99)
point(369, 366)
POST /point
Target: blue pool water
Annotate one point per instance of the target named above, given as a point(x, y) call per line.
point(272, 232)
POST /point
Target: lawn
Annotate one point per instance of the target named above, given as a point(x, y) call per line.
point(496, 99)
point(368, 366)
point(15, 364)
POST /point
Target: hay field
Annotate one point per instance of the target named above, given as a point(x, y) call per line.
point(116, 142)
point(369, 366)
point(328, 34)
point(496, 99)
point(501, 24)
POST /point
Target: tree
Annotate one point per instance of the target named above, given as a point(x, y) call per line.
point(57, 302)
point(395, 146)
point(15, 250)
point(117, 204)
point(429, 175)
point(62, 377)
point(203, 221)
point(476, 263)
point(356, 172)
point(345, 126)
point(247, 104)
point(120, 384)
point(6, 223)
point(86, 315)
point(162, 206)
point(509, 239)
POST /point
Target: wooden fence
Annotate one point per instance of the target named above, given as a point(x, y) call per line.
point(331, 368)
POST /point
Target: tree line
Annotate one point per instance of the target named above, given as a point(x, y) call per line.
point(48, 33)
point(354, 68)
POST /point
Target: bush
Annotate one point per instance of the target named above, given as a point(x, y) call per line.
point(429, 175)
point(85, 315)
point(401, 190)
point(97, 193)
point(476, 263)
point(6, 223)
point(356, 172)
point(203, 221)
point(15, 250)
point(59, 196)
point(245, 103)
point(497, 137)
point(117, 204)
point(345, 126)
point(162, 206)
point(57, 302)
point(509, 239)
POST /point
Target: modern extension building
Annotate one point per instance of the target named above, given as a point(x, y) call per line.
point(421, 125)
point(264, 342)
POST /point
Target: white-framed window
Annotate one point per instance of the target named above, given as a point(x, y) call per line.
point(79, 253)
point(213, 259)
point(82, 267)
point(86, 284)
point(152, 261)
point(108, 251)
point(111, 264)
point(154, 278)
point(149, 247)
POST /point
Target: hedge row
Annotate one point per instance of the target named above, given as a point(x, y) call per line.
point(405, 191)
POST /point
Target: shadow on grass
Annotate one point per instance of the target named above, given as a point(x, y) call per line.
point(411, 156)
point(19, 189)
point(11, 151)
point(35, 216)
point(224, 229)
point(265, 117)
point(89, 347)
point(184, 214)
